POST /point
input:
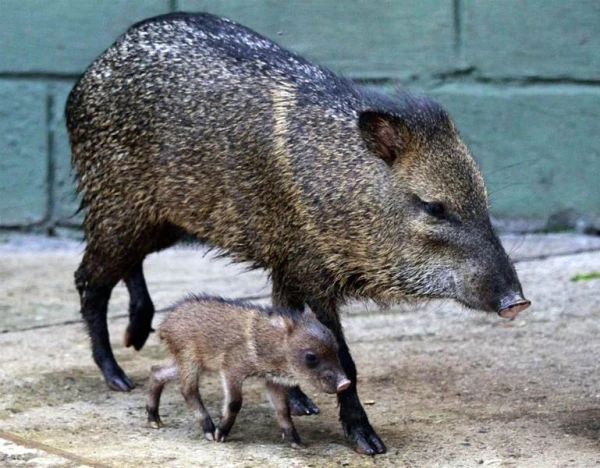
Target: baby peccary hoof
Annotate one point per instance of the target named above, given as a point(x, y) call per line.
point(209, 429)
point(153, 418)
point(300, 404)
point(292, 437)
point(363, 438)
point(221, 434)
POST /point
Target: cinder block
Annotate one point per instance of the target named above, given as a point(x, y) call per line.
point(533, 38)
point(64, 37)
point(362, 39)
point(539, 146)
point(66, 200)
point(23, 153)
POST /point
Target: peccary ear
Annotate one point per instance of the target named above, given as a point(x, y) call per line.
point(282, 323)
point(384, 134)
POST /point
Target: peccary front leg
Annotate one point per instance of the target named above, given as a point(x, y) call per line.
point(279, 398)
point(300, 404)
point(354, 419)
point(141, 309)
point(94, 305)
point(232, 388)
point(189, 390)
point(285, 296)
point(159, 376)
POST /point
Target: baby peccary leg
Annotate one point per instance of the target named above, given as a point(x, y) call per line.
point(278, 396)
point(232, 388)
point(189, 390)
point(159, 376)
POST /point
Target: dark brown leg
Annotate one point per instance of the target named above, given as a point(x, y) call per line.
point(115, 251)
point(141, 308)
point(354, 419)
point(278, 396)
point(94, 293)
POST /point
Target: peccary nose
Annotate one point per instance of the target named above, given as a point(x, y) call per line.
point(512, 304)
point(342, 385)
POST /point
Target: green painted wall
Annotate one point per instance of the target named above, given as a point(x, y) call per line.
point(521, 78)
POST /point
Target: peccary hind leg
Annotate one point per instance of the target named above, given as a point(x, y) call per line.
point(94, 304)
point(278, 396)
point(283, 296)
point(113, 253)
point(354, 419)
point(141, 309)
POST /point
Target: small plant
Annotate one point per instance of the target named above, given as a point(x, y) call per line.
point(586, 276)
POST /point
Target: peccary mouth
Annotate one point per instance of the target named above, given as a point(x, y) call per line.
point(511, 310)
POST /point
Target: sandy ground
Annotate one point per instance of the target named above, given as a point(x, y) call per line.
point(442, 385)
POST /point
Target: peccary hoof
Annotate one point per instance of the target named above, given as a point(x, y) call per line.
point(300, 404)
point(153, 418)
point(363, 438)
point(220, 436)
point(156, 424)
point(292, 437)
point(208, 428)
point(136, 336)
point(117, 380)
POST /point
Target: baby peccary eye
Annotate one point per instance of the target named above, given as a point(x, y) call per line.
point(311, 359)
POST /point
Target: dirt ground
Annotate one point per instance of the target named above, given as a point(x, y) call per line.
point(443, 386)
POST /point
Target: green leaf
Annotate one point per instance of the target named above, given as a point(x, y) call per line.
point(586, 276)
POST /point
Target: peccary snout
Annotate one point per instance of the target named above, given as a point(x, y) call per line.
point(334, 380)
point(489, 279)
point(343, 384)
point(512, 304)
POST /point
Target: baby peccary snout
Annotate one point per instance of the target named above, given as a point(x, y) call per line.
point(239, 340)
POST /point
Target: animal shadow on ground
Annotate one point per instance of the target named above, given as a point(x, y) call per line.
point(582, 423)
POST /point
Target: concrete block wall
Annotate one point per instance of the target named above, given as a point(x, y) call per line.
point(520, 77)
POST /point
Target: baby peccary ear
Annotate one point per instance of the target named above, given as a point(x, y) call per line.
point(282, 323)
point(384, 134)
point(308, 312)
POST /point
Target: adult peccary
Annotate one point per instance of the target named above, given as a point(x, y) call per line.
point(239, 340)
point(191, 123)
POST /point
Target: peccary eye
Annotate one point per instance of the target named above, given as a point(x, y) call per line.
point(435, 209)
point(311, 359)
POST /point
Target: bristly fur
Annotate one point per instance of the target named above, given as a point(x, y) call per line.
point(295, 315)
point(420, 113)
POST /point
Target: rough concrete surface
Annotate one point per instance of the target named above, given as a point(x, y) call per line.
point(444, 386)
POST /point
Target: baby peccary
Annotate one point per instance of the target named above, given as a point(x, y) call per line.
point(239, 341)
